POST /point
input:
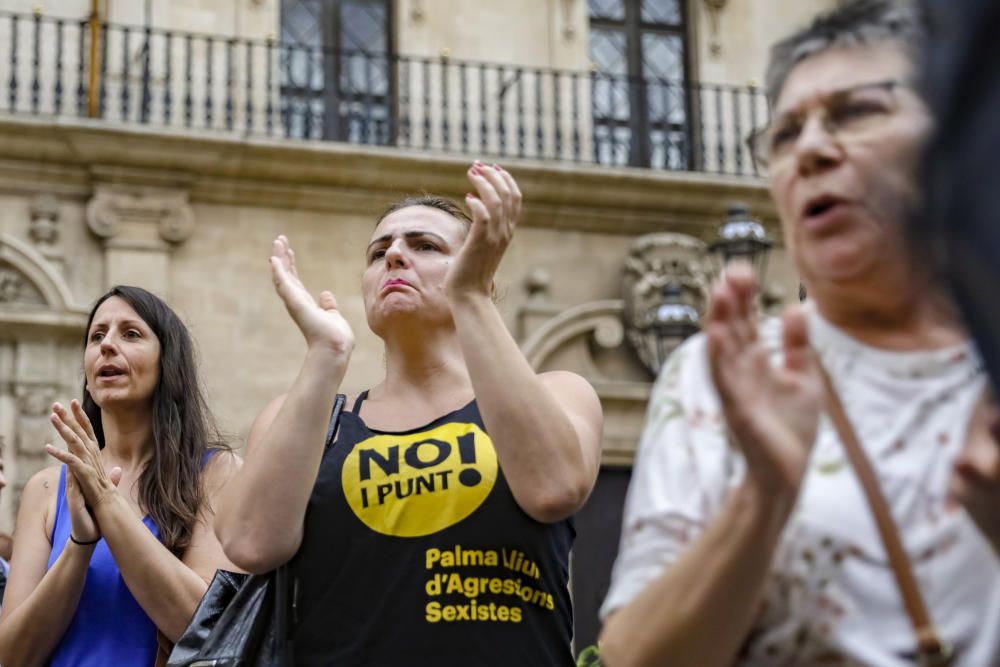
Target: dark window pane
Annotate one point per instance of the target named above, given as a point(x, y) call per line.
point(613, 145)
point(666, 102)
point(607, 51)
point(363, 26)
point(301, 22)
point(662, 57)
point(613, 10)
point(611, 98)
point(661, 11)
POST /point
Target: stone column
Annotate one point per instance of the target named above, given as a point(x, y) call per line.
point(139, 225)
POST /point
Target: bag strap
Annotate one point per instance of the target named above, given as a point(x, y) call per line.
point(931, 651)
point(331, 430)
point(286, 582)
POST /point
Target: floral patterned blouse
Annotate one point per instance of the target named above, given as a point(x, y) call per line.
point(831, 598)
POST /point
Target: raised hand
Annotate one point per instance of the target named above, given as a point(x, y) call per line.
point(975, 482)
point(494, 216)
point(321, 323)
point(772, 412)
point(87, 482)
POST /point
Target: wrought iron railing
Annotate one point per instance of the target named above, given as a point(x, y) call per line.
point(185, 80)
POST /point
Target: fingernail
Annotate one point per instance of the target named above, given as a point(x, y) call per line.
point(468, 195)
point(497, 167)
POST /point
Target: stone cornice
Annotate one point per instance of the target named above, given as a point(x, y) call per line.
point(68, 156)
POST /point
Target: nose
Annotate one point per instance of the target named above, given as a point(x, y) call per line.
point(107, 343)
point(816, 149)
point(395, 255)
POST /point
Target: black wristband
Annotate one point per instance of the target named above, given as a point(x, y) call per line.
point(82, 544)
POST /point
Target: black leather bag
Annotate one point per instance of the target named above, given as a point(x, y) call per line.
point(245, 620)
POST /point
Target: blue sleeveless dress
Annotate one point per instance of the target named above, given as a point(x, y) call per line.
point(109, 627)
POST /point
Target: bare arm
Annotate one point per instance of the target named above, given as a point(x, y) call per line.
point(167, 588)
point(698, 612)
point(259, 519)
point(546, 428)
point(38, 603)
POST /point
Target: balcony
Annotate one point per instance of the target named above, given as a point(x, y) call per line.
point(192, 82)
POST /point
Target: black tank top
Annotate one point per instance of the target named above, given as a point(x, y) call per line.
point(415, 553)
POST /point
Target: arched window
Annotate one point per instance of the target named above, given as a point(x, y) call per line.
point(336, 67)
point(639, 97)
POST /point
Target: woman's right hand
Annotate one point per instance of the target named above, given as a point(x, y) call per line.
point(321, 323)
point(772, 411)
point(83, 526)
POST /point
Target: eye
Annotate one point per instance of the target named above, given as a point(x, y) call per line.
point(784, 135)
point(133, 334)
point(426, 245)
point(376, 255)
point(96, 337)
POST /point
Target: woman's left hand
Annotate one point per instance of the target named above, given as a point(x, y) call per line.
point(494, 217)
point(83, 458)
point(975, 481)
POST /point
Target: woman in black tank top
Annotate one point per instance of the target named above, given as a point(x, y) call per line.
point(436, 530)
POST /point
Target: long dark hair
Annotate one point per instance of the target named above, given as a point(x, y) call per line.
point(184, 432)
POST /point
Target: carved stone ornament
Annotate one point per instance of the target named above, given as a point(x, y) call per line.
point(35, 400)
point(665, 284)
point(113, 208)
point(44, 228)
point(15, 288)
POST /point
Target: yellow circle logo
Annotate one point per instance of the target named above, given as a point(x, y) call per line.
point(420, 483)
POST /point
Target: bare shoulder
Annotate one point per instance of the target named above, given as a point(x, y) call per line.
point(38, 500)
point(43, 484)
point(220, 468)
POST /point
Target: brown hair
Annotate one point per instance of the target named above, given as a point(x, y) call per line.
point(184, 434)
point(431, 201)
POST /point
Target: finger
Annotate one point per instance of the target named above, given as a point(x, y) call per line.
point(487, 193)
point(292, 268)
point(795, 339)
point(67, 434)
point(739, 277)
point(499, 183)
point(480, 216)
point(515, 193)
point(115, 475)
point(327, 301)
point(83, 420)
point(62, 456)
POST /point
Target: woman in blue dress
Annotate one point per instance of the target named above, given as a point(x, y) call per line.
point(115, 547)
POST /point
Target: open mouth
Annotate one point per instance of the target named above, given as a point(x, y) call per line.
point(110, 372)
point(820, 205)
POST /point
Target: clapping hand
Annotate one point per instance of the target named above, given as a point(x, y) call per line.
point(87, 482)
point(975, 482)
point(494, 217)
point(772, 411)
point(321, 323)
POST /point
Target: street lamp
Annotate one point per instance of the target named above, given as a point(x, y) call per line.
point(672, 322)
point(740, 236)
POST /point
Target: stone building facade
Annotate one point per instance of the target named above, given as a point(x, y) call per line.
point(149, 192)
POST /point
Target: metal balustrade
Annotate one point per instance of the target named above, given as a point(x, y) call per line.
point(194, 81)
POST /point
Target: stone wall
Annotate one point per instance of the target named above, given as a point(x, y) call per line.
point(86, 204)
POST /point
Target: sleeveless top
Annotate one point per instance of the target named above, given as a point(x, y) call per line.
point(415, 552)
point(108, 627)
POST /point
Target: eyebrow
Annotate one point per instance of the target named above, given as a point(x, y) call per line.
point(416, 233)
point(130, 322)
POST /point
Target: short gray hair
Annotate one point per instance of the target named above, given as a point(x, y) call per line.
point(852, 23)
